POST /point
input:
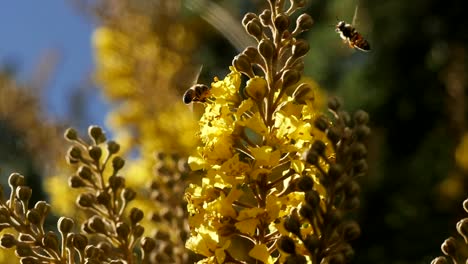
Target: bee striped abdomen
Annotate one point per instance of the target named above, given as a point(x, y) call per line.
point(351, 36)
point(196, 93)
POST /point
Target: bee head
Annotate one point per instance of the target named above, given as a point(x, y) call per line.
point(340, 26)
point(188, 96)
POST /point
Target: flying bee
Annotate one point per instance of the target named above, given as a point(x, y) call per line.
point(196, 93)
point(350, 35)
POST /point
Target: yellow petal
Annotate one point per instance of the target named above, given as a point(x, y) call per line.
point(261, 253)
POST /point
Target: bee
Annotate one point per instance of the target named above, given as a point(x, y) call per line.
point(350, 35)
point(196, 93)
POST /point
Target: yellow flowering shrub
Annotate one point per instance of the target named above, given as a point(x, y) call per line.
point(276, 170)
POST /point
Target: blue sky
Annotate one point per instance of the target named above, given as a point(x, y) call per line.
point(28, 29)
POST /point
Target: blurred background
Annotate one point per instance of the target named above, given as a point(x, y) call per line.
point(124, 65)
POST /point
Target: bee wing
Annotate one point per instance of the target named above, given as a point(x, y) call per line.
point(195, 80)
point(355, 14)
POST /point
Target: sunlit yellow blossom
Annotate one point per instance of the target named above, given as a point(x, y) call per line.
point(261, 253)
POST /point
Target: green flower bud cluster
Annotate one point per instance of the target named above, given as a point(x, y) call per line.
point(166, 191)
point(332, 231)
point(111, 233)
point(105, 198)
point(455, 249)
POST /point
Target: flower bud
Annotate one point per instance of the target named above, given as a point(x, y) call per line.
point(256, 88)
point(128, 194)
point(242, 63)
point(287, 245)
point(358, 151)
point(303, 93)
point(22, 250)
point(265, 17)
point(362, 132)
point(290, 77)
point(34, 217)
point(103, 197)
point(343, 115)
point(74, 152)
point(292, 224)
point(335, 171)
point(353, 203)
point(97, 224)
point(281, 22)
point(85, 200)
point(117, 163)
point(305, 183)
point(295, 259)
point(360, 167)
point(26, 238)
point(333, 103)
point(439, 260)
point(462, 228)
point(312, 198)
point(352, 189)
point(42, 207)
point(65, 225)
point(85, 172)
point(336, 258)
point(334, 134)
point(251, 53)
point(136, 215)
point(50, 240)
point(105, 247)
point(148, 244)
point(76, 182)
point(351, 231)
point(123, 230)
point(321, 123)
point(113, 147)
point(361, 117)
point(449, 247)
point(116, 182)
point(319, 146)
point(7, 241)
point(95, 152)
point(300, 48)
point(334, 217)
point(15, 180)
point(97, 134)
point(80, 241)
point(299, 3)
point(254, 28)
point(298, 66)
point(138, 231)
point(30, 260)
point(312, 157)
point(247, 18)
point(307, 211)
point(71, 134)
point(24, 193)
point(266, 49)
point(312, 242)
point(304, 22)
